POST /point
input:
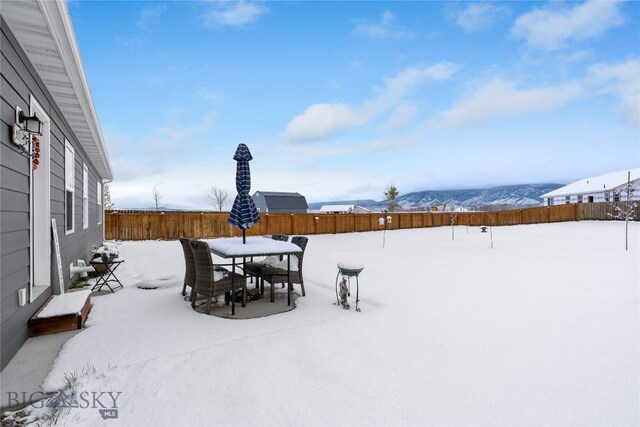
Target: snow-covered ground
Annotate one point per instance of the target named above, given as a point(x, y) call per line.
point(543, 329)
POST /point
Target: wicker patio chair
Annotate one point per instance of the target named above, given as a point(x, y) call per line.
point(205, 283)
point(253, 269)
point(190, 265)
point(275, 275)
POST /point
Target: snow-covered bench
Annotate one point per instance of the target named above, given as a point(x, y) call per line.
point(60, 313)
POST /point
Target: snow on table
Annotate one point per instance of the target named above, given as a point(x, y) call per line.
point(233, 247)
point(61, 305)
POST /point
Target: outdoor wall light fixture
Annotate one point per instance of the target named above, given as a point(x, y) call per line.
point(31, 124)
point(23, 129)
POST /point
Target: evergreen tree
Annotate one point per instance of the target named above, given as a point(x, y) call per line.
point(391, 195)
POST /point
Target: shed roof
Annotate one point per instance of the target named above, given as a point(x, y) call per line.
point(279, 194)
point(607, 182)
point(283, 200)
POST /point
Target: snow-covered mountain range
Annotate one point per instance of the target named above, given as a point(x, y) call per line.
point(503, 196)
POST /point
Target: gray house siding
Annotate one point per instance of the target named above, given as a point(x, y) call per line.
point(18, 81)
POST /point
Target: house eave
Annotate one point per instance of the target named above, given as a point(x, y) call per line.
point(45, 33)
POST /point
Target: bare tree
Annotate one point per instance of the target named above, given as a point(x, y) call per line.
point(108, 203)
point(391, 196)
point(218, 196)
point(157, 197)
point(627, 211)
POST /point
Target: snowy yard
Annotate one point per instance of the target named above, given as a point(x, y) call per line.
point(543, 329)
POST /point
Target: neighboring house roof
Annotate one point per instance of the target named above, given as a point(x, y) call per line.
point(595, 184)
point(282, 201)
point(344, 208)
point(337, 208)
point(44, 30)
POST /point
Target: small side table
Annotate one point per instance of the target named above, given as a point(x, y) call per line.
point(107, 276)
point(347, 271)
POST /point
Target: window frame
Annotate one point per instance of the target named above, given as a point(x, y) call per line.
point(69, 186)
point(85, 196)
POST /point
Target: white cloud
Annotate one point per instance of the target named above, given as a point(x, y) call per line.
point(401, 115)
point(394, 143)
point(398, 87)
point(205, 93)
point(575, 57)
point(321, 121)
point(182, 185)
point(550, 28)
point(385, 28)
point(233, 14)
point(498, 97)
point(478, 16)
point(501, 98)
point(150, 15)
point(620, 80)
point(133, 156)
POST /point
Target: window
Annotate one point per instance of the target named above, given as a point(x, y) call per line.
point(85, 196)
point(579, 198)
point(567, 199)
point(99, 201)
point(69, 186)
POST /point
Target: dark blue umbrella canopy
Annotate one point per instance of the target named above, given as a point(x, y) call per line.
point(243, 213)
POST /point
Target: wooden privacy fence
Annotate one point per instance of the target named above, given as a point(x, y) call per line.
point(152, 225)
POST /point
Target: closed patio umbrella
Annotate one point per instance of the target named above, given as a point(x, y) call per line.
point(243, 213)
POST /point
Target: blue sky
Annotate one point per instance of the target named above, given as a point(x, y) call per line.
point(336, 100)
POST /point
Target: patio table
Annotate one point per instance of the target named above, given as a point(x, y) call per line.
point(109, 273)
point(232, 247)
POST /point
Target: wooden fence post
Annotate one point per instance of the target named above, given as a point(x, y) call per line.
point(117, 226)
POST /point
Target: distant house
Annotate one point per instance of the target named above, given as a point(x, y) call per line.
point(278, 202)
point(343, 209)
point(54, 172)
point(604, 188)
